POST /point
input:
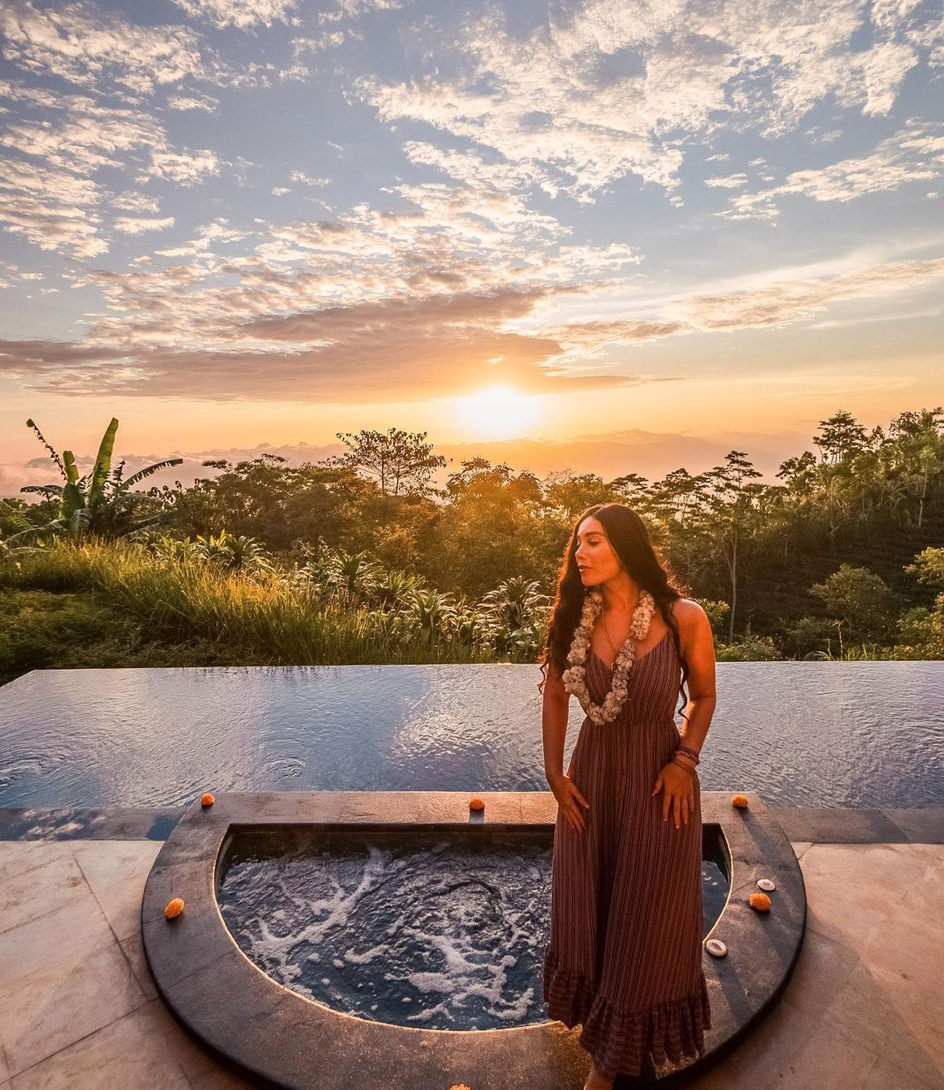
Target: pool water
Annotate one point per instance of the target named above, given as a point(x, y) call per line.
point(844, 734)
point(416, 929)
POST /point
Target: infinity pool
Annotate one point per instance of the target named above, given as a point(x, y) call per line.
point(867, 734)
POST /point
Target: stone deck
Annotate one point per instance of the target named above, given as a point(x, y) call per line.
point(862, 1010)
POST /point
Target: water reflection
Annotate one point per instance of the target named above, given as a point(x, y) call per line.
point(799, 733)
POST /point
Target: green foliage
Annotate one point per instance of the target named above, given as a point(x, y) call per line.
point(860, 599)
point(358, 559)
point(39, 629)
point(99, 502)
point(914, 628)
point(281, 506)
point(717, 612)
point(225, 551)
point(923, 635)
point(748, 648)
point(928, 566)
point(266, 616)
point(13, 518)
point(44, 630)
point(808, 637)
point(517, 616)
point(401, 462)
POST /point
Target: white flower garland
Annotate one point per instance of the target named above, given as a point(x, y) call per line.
point(574, 677)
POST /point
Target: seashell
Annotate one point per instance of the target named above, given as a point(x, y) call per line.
point(766, 883)
point(716, 948)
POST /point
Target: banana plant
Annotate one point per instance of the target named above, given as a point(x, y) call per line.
point(99, 502)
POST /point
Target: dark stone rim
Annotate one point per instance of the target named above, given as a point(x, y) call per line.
point(274, 1036)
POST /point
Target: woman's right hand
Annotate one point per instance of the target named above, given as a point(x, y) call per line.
point(569, 799)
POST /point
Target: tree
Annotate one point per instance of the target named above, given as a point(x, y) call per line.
point(799, 475)
point(280, 504)
point(860, 598)
point(632, 489)
point(401, 461)
point(676, 495)
point(568, 495)
point(732, 506)
point(100, 502)
point(841, 437)
point(920, 439)
point(928, 566)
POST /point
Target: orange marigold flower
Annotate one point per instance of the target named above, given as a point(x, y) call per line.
point(174, 907)
point(459, 1086)
point(476, 804)
point(760, 901)
point(207, 800)
point(740, 801)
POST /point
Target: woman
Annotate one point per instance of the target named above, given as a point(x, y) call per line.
point(625, 950)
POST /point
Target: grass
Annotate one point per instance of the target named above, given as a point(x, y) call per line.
point(97, 603)
point(127, 602)
point(40, 630)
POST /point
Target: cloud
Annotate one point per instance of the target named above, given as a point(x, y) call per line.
point(48, 192)
point(400, 349)
point(136, 202)
point(789, 301)
point(405, 347)
point(913, 154)
point(305, 179)
point(414, 290)
point(329, 39)
point(96, 49)
point(193, 102)
point(88, 138)
point(599, 90)
point(51, 208)
point(183, 168)
point(731, 181)
point(128, 225)
point(86, 45)
point(241, 13)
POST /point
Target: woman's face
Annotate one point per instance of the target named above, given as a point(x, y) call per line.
point(594, 554)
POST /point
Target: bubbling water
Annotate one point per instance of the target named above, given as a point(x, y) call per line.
point(424, 929)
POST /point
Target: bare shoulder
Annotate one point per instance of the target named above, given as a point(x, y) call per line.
point(688, 612)
point(692, 619)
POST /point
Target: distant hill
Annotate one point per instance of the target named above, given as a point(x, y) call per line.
point(609, 454)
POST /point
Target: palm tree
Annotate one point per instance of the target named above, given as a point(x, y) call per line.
point(100, 502)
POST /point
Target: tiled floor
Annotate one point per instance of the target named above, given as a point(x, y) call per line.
point(863, 1009)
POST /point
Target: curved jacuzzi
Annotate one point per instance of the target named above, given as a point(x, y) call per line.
point(277, 991)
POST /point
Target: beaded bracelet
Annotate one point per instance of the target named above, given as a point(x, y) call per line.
point(685, 754)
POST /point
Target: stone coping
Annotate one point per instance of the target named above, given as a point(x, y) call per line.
point(801, 824)
point(274, 1036)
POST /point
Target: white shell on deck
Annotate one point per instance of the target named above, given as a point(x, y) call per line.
point(766, 883)
point(716, 947)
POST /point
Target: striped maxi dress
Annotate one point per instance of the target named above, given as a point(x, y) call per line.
point(624, 957)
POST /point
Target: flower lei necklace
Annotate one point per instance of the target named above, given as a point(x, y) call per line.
point(574, 677)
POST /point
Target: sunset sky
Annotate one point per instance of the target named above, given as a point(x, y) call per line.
point(241, 222)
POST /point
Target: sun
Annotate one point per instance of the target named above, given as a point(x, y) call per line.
point(498, 412)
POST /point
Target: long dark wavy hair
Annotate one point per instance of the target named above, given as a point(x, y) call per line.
point(629, 538)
